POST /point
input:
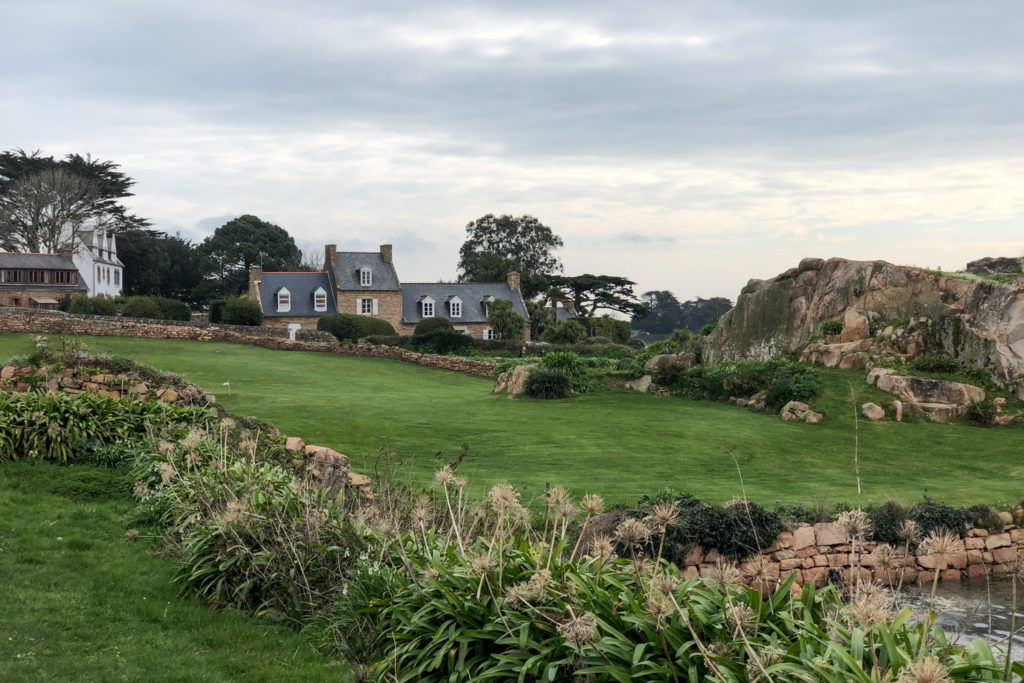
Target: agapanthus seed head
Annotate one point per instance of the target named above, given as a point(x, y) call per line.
point(194, 437)
point(602, 546)
point(166, 471)
point(664, 513)
point(165, 448)
point(854, 524)
point(632, 532)
point(726, 573)
point(869, 605)
point(227, 424)
point(567, 511)
point(579, 629)
point(759, 571)
point(481, 564)
point(558, 496)
point(592, 504)
point(503, 497)
point(141, 490)
point(664, 583)
point(909, 532)
point(539, 582)
point(925, 670)
point(885, 557)
point(658, 608)
point(942, 543)
point(444, 476)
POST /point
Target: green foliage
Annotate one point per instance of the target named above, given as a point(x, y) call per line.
point(666, 313)
point(566, 332)
point(709, 328)
point(617, 331)
point(172, 309)
point(886, 521)
point(590, 293)
point(783, 381)
point(241, 311)
point(435, 324)
point(547, 384)
point(980, 413)
point(60, 427)
point(226, 256)
point(502, 317)
point(831, 327)
point(933, 362)
point(84, 304)
point(217, 310)
point(987, 518)
point(442, 343)
point(566, 361)
point(736, 529)
point(934, 516)
point(141, 307)
point(498, 245)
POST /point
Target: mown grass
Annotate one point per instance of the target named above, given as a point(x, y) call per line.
point(82, 603)
point(621, 445)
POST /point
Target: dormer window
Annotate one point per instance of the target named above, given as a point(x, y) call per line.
point(455, 307)
point(284, 300)
point(320, 300)
point(428, 307)
point(487, 299)
point(365, 276)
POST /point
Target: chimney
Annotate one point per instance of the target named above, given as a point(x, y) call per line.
point(385, 253)
point(67, 252)
point(330, 256)
point(513, 281)
point(255, 274)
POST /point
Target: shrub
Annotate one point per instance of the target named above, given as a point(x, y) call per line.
point(502, 317)
point(603, 341)
point(344, 326)
point(172, 309)
point(87, 305)
point(831, 327)
point(216, 310)
point(782, 381)
point(547, 384)
point(980, 413)
point(378, 326)
point(933, 516)
point(934, 362)
point(616, 331)
point(442, 342)
point(565, 332)
point(886, 521)
point(566, 361)
point(240, 311)
point(709, 328)
point(987, 518)
point(429, 325)
point(141, 307)
point(388, 340)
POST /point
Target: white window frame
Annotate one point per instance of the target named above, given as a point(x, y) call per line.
point(318, 295)
point(490, 333)
point(455, 308)
point(429, 310)
point(365, 276)
point(284, 305)
point(461, 329)
point(367, 306)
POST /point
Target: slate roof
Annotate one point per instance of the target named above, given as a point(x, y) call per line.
point(562, 313)
point(347, 269)
point(472, 294)
point(87, 239)
point(39, 262)
point(301, 286)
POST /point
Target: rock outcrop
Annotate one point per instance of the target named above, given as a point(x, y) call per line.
point(663, 360)
point(513, 379)
point(938, 400)
point(976, 322)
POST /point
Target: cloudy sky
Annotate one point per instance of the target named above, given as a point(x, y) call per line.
point(686, 145)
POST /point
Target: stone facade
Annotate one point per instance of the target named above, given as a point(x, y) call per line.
point(389, 305)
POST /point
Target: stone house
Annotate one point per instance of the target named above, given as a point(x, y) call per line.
point(38, 280)
point(96, 258)
point(366, 283)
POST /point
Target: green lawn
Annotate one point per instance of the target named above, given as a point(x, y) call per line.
point(622, 445)
point(82, 603)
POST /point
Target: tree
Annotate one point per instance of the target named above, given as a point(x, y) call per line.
point(666, 314)
point(504, 320)
point(496, 246)
point(45, 203)
point(155, 263)
point(590, 293)
point(226, 256)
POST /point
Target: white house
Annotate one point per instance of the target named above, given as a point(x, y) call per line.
point(97, 262)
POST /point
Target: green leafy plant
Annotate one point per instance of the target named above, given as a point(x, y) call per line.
point(430, 325)
point(830, 327)
point(547, 384)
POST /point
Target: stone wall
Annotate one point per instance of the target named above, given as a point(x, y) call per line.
point(35, 321)
point(821, 554)
point(389, 304)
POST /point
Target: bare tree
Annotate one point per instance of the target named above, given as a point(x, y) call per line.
point(45, 211)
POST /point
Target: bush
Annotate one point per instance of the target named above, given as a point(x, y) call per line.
point(886, 521)
point(782, 381)
point(831, 327)
point(566, 361)
point(934, 362)
point(602, 341)
point(216, 310)
point(172, 309)
point(980, 413)
point(442, 342)
point(87, 305)
point(987, 518)
point(344, 326)
point(709, 328)
point(565, 332)
point(388, 340)
point(239, 311)
point(616, 331)
point(429, 325)
point(547, 384)
point(933, 516)
point(378, 326)
point(141, 307)
point(503, 319)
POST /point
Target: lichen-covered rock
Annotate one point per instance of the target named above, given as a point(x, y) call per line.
point(872, 411)
point(664, 360)
point(513, 379)
point(641, 384)
point(919, 390)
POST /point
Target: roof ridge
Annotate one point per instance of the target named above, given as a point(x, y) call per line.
point(31, 253)
point(294, 272)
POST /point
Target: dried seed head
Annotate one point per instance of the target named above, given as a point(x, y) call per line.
point(521, 516)
point(664, 583)
point(942, 543)
point(759, 571)
point(141, 490)
point(444, 476)
point(927, 670)
point(481, 564)
point(131, 534)
point(558, 496)
point(459, 481)
point(518, 593)
point(741, 618)
point(227, 424)
point(727, 574)
point(632, 532)
point(579, 630)
point(539, 582)
point(854, 524)
point(503, 497)
point(592, 504)
point(868, 605)
point(567, 511)
point(664, 513)
point(421, 512)
point(192, 459)
point(910, 532)
point(195, 435)
point(234, 510)
point(166, 471)
point(165, 448)
point(601, 547)
point(658, 608)
point(1015, 567)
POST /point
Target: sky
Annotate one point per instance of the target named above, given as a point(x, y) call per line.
point(688, 146)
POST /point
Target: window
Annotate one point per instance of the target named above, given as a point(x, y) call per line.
point(65, 277)
point(488, 299)
point(365, 276)
point(284, 300)
point(491, 334)
point(366, 306)
point(12, 275)
point(117, 278)
point(455, 308)
point(320, 299)
point(428, 307)
point(37, 276)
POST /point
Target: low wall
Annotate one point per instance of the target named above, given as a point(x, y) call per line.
point(820, 554)
point(36, 321)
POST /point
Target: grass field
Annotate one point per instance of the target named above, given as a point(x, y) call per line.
point(622, 445)
point(82, 603)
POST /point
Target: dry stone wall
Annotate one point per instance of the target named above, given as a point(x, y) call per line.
point(34, 321)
